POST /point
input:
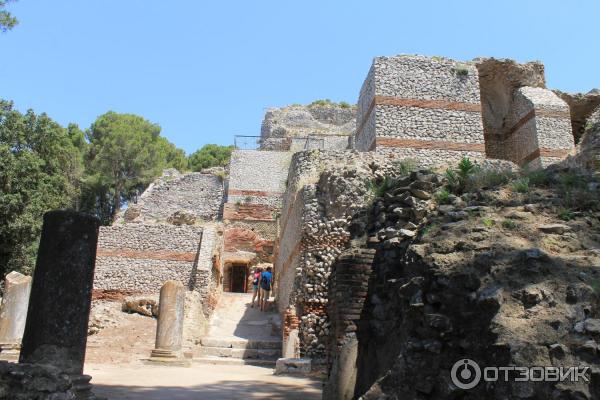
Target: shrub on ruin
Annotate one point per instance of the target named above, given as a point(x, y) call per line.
point(458, 178)
point(221, 175)
point(538, 178)
point(461, 70)
point(344, 104)
point(484, 178)
point(487, 222)
point(381, 188)
point(520, 185)
point(405, 166)
point(442, 197)
point(322, 102)
point(565, 214)
point(509, 224)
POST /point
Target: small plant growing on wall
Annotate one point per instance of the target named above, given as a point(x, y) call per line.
point(461, 70)
point(248, 199)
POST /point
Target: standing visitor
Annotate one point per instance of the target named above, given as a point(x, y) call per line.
point(266, 280)
point(255, 289)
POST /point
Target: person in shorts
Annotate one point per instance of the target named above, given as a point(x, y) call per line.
point(266, 282)
point(255, 287)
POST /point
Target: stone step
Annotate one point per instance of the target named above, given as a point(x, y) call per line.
point(235, 343)
point(228, 352)
point(233, 361)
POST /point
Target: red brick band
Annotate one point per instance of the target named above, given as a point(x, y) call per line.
point(418, 103)
point(248, 212)
point(147, 254)
point(430, 144)
point(528, 117)
point(532, 114)
point(545, 152)
point(541, 112)
point(257, 193)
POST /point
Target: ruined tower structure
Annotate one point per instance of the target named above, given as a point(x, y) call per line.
point(440, 110)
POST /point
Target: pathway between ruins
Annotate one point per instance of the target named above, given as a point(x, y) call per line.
point(237, 337)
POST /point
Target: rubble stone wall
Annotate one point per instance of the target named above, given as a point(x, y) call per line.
point(197, 194)
point(420, 103)
point(326, 190)
point(304, 121)
point(540, 132)
point(258, 177)
point(140, 258)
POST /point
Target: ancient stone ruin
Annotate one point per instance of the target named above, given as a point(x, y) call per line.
point(383, 279)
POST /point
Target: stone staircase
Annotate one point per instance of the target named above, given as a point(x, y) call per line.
point(239, 334)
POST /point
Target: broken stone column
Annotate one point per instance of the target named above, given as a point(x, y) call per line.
point(13, 312)
point(61, 296)
point(169, 330)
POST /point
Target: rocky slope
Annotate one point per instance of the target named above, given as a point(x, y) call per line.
point(505, 276)
point(301, 121)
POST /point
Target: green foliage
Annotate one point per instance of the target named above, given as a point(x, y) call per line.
point(565, 214)
point(521, 185)
point(328, 102)
point(7, 20)
point(40, 167)
point(405, 166)
point(487, 222)
point(442, 197)
point(429, 228)
point(322, 102)
point(248, 199)
point(509, 224)
point(210, 155)
point(461, 70)
point(126, 153)
point(379, 189)
point(222, 175)
point(486, 178)
point(596, 287)
point(458, 178)
point(538, 178)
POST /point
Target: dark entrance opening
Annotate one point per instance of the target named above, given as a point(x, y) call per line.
point(238, 278)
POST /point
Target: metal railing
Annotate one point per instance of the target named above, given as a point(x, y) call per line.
point(244, 142)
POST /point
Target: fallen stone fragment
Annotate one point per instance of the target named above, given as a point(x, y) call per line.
point(420, 194)
point(554, 228)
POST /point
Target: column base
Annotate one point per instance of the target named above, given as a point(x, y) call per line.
point(168, 357)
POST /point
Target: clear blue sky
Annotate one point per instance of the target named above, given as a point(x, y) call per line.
point(207, 70)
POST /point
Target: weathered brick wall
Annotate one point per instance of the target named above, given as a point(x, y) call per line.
point(140, 258)
point(348, 288)
point(421, 106)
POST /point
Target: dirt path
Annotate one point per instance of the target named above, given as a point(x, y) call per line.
point(214, 382)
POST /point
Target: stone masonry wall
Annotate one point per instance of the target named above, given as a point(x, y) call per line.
point(140, 258)
point(539, 130)
point(421, 105)
point(258, 177)
point(325, 191)
point(196, 194)
point(304, 121)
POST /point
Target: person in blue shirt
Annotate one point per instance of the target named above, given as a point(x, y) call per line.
point(266, 282)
